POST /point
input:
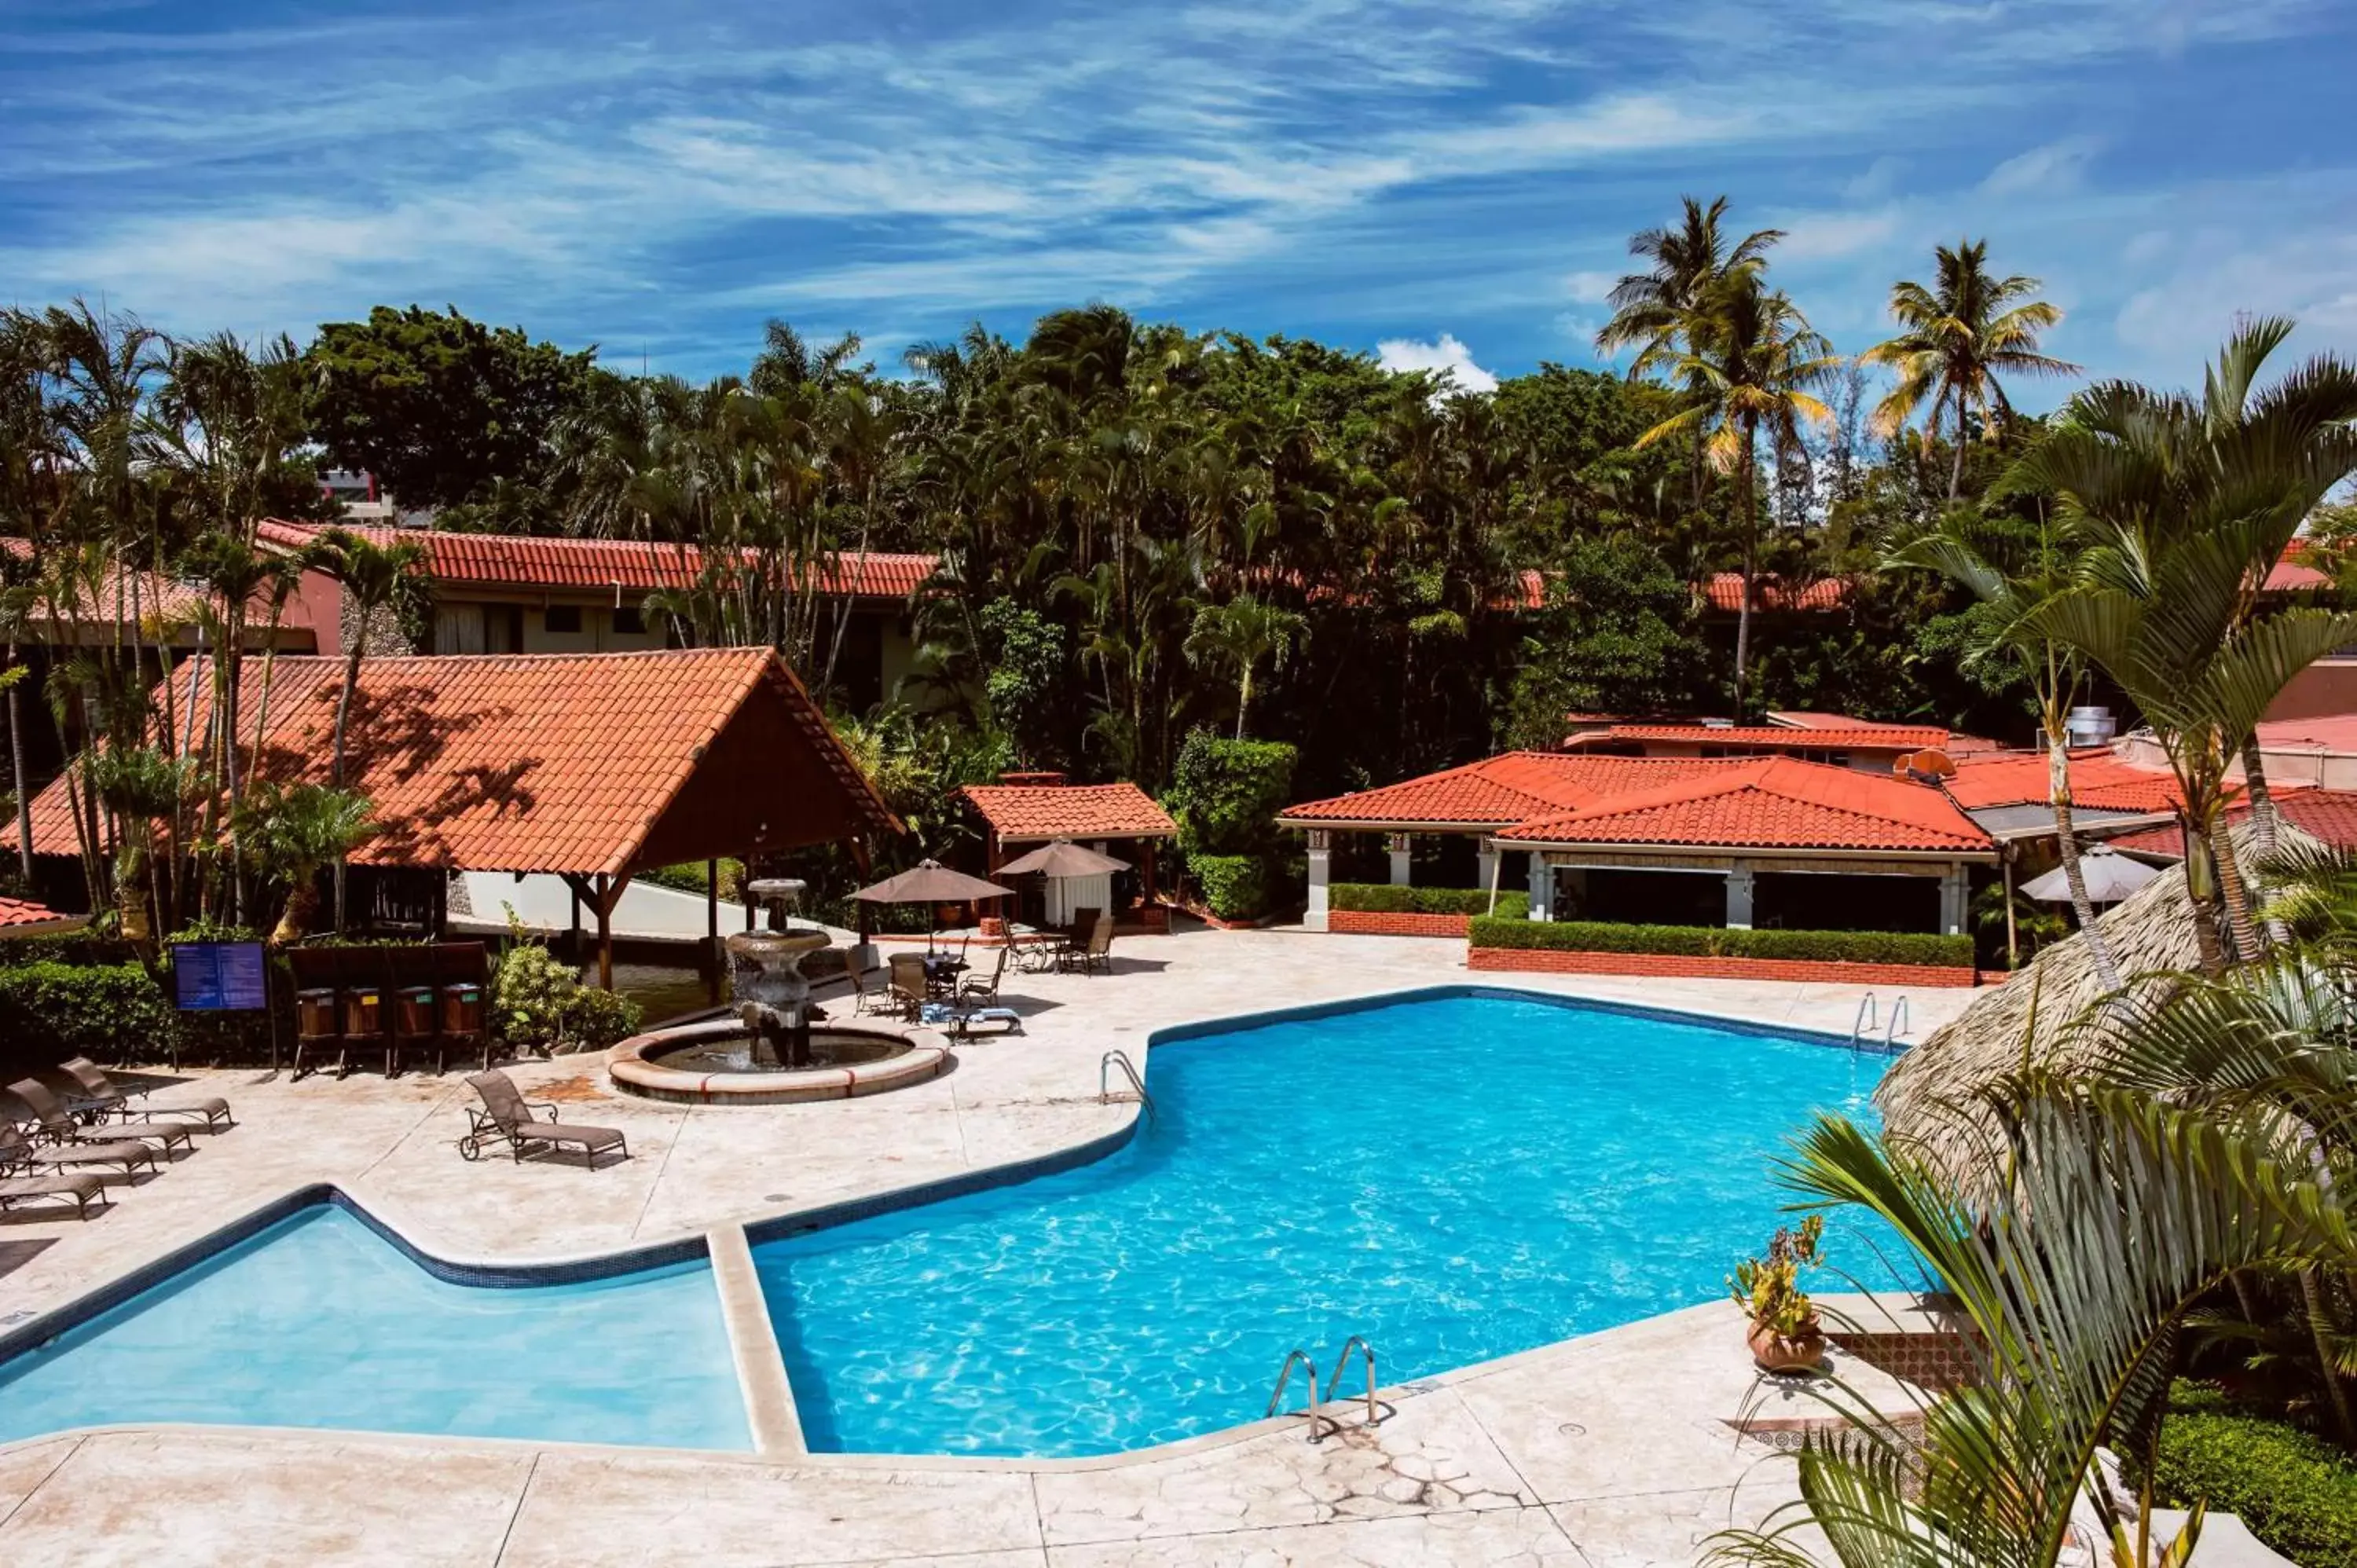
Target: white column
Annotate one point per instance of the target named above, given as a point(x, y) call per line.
point(1402, 849)
point(1486, 863)
point(1322, 860)
point(1738, 898)
point(1956, 894)
point(1542, 887)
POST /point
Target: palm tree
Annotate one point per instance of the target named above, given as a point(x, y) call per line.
point(1239, 634)
point(2187, 503)
point(372, 577)
point(1956, 336)
point(2013, 574)
point(288, 831)
point(1751, 357)
point(139, 786)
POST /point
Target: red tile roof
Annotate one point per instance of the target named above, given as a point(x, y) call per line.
point(1501, 791)
point(560, 762)
point(1857, 738)
point(22, 916)
point(161, 602)
point(1771, 804)
point(2327, 814)
point(1723, 591)
point(2328, 733)
point(2098, 778)
point(517, 561)
point(1023, 812)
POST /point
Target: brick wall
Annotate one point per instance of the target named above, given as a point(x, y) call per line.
point(1367, 923)
point(1682, 966)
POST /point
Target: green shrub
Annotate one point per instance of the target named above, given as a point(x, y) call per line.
point(66, 947)
point(1224, 795)
point(2296, 1492)
point(1234, 886)
point(1385, 898)
point(1711, 941)
point(538, 1002)
point(594, 1019)
point(50, 1011)
point(688, 877)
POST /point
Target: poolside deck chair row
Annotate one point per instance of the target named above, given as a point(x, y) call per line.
point(77, 1115)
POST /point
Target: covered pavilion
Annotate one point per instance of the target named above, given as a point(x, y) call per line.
point(593, 767)
point(1024, 810)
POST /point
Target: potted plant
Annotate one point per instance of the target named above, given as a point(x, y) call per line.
point(1785, 1334)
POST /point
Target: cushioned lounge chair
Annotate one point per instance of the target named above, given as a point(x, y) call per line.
point(20, 1154)
point(507, 1117)
point(93, 1090)
point(84, 1190)
point(58, 1123)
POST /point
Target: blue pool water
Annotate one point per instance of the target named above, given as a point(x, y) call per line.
point(317, 1322)
point(1456, 1179)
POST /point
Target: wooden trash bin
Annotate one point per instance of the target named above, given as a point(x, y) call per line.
point(315, 1025)
point(365, 1025)
point(464, 1020)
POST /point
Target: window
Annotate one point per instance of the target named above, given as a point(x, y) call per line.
point(628, 619)
point(563, 618)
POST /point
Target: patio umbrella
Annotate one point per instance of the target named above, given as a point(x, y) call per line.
point(932, 883)
point(2111, 877)
point(1063, 858)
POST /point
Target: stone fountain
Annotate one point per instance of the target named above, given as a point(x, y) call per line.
point(766, 973)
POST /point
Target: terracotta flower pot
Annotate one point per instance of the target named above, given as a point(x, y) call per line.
point(1774, 1352)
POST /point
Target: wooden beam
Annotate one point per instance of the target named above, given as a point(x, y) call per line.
point(711, 931)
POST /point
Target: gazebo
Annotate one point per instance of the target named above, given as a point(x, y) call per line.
point(589, 766)
point(1024, 810)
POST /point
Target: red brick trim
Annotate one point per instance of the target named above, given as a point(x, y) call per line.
point(1371, 923)
point(1683, 966)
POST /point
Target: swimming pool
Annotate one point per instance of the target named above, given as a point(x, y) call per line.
point(319, 1322)
point(1455, 1178)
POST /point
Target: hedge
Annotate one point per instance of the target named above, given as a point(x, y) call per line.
point(2295, 1491)
point(1386, 898)
point(1234, 886)
point(1711, 942)
point(49, 1011)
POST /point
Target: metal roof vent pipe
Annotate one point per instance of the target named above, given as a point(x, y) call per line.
point(2090, 726)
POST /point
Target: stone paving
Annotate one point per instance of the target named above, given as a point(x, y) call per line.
point(1608, 1449)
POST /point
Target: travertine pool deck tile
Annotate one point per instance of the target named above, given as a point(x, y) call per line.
point(1512, 1538)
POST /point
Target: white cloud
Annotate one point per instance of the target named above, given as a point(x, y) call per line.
point(1447, 356)
point(1592, 288)
point(2048, 170)
point(1814, 236)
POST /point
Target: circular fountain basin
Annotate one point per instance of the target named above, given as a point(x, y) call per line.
point(719, 1063)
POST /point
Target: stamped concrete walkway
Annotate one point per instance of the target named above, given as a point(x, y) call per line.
point(1610, 1449)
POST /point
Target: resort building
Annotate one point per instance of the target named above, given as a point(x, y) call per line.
point(1024, 810)
point(512, 594)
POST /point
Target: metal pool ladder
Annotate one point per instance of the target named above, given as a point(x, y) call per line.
point(1301, 1358)
point(1865, 1020)
point(1897, 1017)
point(1298, 1358)
point(1120, 1059)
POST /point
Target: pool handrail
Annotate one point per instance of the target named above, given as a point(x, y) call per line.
point(1341, 1363)
point(1120, 1059)
point(1297, 1356)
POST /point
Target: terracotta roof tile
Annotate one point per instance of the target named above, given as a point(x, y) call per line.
point(538, 762)
point(1857, 738)
point(2098, 778)
point(23, 914)
point(1723, 591)
point(1771, 804)
point(1016, 812)
point(2327, 814)
point(1501, 789)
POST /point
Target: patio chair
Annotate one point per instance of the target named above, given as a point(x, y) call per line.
point(59, 1125)
point(84, 1190)
point(974, 988)
point(908, 986)
point(94, 1091)
point(1096, 953)
point(20, 1155)
point(507, 1118)
point(872, 999)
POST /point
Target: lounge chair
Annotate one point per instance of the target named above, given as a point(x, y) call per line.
point(83, 1190)
point(507, 1117)
point(1095, 952)
point(93, 1090)
point(19, 1153)
point(57, 1123)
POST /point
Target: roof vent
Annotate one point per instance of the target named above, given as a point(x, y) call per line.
point(1032, 780)
point(2090, 726)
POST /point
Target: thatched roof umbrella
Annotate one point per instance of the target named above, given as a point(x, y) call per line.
point(2151, 929)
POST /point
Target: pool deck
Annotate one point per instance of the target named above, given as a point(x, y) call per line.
point(1608, 1449)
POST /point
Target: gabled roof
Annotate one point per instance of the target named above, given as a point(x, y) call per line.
point(23, 917)
point(502, 560)
point(1723, 591)
point(2098, 780)
point(1498, 790)
point(1771, 804)
point(1853, 737)
point(1019, 812)
point(2329, 815)
point(583, 763)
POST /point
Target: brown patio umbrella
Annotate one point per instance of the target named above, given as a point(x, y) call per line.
point(1063, 858)
point(932, 883)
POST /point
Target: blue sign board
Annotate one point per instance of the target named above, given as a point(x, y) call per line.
point(218, 977)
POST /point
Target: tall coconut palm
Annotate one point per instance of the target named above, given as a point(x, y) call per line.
point(1752, 358)
point(372, 577)
point(1955, 337)
point(1239, 634)
point(2014, 570)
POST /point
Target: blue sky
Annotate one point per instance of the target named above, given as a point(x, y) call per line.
point(1456, 180)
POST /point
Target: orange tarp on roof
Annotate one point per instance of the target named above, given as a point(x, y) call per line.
point(1771, 804)
point(520, 561)
point(581, 762)
point(1022, 812)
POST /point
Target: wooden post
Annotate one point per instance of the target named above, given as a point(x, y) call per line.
point(606, 933)
point(1145, 868)
point(573, 939)
point(2012, 942)
point(711, 931)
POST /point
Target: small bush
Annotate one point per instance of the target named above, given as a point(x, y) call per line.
point(594, 1019)
point(1224, 795)
point(688, 877)
point(1234, 886)
point(1385, 898)
point(538, 1002)
point(1711, 941)
point(2296, 1492)
point(49, 1011)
